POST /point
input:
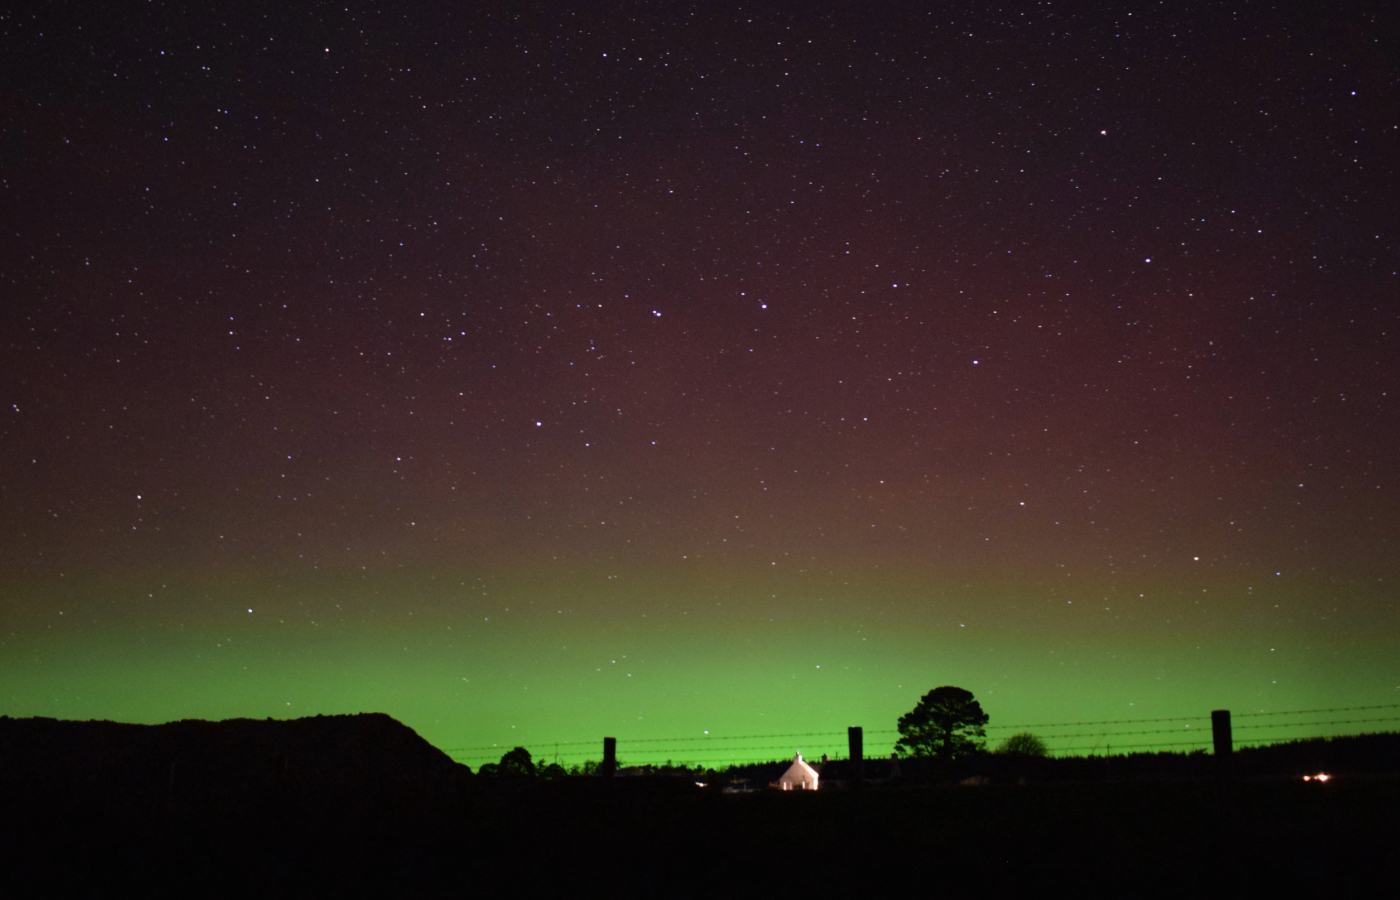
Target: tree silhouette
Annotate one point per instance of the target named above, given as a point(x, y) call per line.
point(517, 763)
point(947, 723)
point(1024, 744)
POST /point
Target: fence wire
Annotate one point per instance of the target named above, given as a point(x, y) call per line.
point(733, 747)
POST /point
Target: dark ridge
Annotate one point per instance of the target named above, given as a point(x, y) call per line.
point(218, 767)
point(233, 807)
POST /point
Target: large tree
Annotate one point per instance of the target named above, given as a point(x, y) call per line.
point(947, 723)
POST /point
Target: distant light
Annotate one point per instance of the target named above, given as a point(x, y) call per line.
point(1319, 777)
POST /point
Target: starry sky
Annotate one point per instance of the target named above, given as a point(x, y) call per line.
point(535, 372)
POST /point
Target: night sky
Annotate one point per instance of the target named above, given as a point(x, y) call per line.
point(539, 372)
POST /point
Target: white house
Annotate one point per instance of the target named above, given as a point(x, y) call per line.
point(798, 777)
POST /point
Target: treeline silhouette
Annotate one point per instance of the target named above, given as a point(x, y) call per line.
point(1367, 754)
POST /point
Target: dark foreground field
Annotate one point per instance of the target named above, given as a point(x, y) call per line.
point(254, 809)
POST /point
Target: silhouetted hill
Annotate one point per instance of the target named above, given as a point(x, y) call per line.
point(354, 761)
point(243, 802)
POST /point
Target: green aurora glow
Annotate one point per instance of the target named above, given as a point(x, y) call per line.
point(542, 665)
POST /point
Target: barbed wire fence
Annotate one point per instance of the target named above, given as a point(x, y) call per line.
point(1072, 738)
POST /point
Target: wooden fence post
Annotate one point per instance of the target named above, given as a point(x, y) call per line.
point(1224, 743)
point(1220, 731)
point(609, 767)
